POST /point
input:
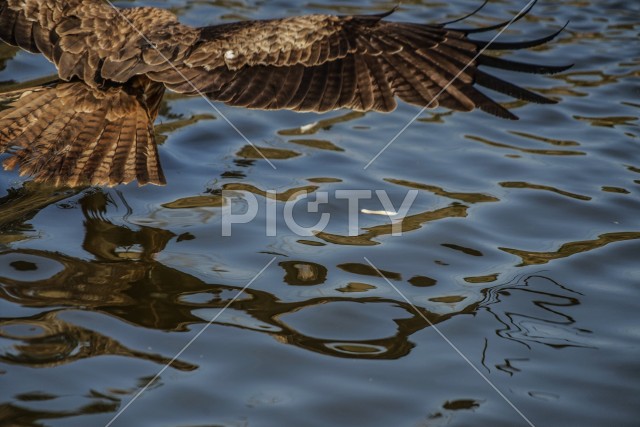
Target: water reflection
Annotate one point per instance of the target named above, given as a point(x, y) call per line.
point(252, 152)
point(281, 196)
point(594, 78)
point(163, 129)
point(15, 414)
point(570, 248)
point(322, 125)
point(146, 293)
point(46, 340)
point(439, 191)
point(538, 151)
point(20, 205)
point(546, 139)
point(125, 281)
point(131, 285)
point(6, 53)
point(319, 144)
point(609, 121)
point(110, 242)
point(544, 188)
point(541, 316)
point(304, 273)
point(406, 224)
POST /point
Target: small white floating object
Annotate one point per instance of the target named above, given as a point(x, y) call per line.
point(307, 128)
point(230, 54)
point(385, 213)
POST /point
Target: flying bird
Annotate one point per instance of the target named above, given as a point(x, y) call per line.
point(94, 123)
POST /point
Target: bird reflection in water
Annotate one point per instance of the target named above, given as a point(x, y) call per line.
point(125, 280)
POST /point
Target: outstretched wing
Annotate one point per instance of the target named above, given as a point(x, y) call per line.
point(322, 62)
point(305, 63)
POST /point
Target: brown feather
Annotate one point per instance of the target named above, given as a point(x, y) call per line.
point(317, 86)
point(256, 82)
point(70, 170)
point(331, 94)
point(122, 149)
point(291, 80)
point(364, 89)
point(265, 94)
point(303, 88)
point(349, 82)
point(383, 95)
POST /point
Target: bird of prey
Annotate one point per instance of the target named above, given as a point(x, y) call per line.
point(94, 124)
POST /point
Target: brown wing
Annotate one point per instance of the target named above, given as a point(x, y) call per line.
point(94, 42)
point(321, 63)
point(305, 63)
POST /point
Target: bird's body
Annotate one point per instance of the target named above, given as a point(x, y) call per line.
point(95, 124)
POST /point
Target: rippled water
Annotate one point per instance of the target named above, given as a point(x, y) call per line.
point(522, 247)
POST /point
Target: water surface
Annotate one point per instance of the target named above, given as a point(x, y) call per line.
point(522, 248)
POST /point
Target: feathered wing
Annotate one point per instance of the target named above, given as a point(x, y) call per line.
point(303, 63)
point(97, 128)
point(72, 134)
point(321, 62)
point(92, 41)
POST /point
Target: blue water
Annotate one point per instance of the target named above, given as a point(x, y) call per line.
point(517, 266)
